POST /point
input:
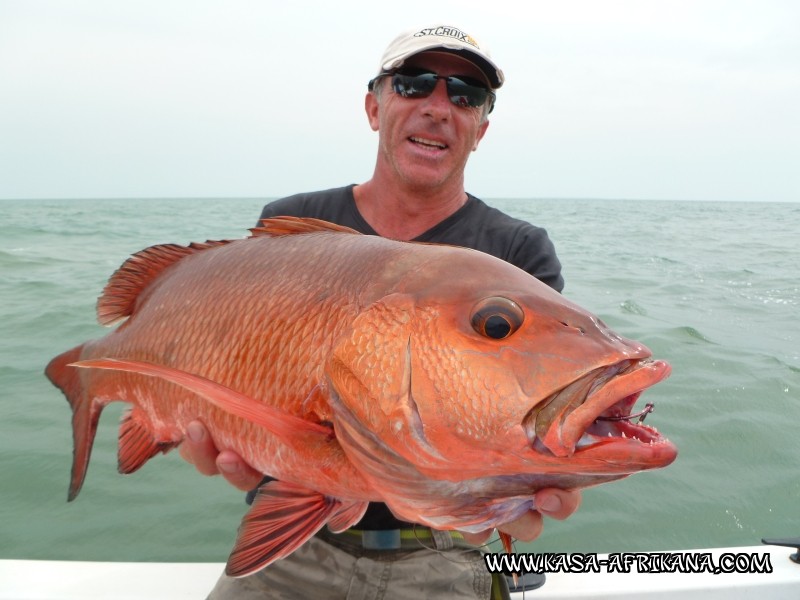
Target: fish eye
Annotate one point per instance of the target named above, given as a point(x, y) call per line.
point(497, 317)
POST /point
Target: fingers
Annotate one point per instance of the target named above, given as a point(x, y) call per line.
point(557, 504)
point(526, 528)
point(477, 539)
point(199, 449)
point(552, 502)
point(237, 472)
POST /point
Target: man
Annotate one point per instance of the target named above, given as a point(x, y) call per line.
point(429, 103)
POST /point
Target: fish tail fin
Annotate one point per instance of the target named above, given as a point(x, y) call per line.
point(85, 413)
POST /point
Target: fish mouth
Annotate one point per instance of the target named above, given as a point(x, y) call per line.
point(596, 410)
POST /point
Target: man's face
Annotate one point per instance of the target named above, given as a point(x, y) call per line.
point(426, 141)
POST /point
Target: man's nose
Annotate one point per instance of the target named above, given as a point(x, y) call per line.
point(438, 104)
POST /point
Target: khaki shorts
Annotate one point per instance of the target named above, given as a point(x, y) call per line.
point(333, 567)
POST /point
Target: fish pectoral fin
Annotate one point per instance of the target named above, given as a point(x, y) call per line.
point(283, 425)
point(137, 442)
point(283, 517)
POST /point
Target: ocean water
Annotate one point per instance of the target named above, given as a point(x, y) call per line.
point(713, 288)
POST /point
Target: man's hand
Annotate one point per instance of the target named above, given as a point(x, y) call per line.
point(198, 448)
point(552, 502)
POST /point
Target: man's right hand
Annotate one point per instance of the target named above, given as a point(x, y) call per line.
point(199, 449)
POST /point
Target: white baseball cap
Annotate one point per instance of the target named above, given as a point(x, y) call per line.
point(441, 38)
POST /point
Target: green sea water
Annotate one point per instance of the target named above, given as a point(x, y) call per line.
point(713, 288)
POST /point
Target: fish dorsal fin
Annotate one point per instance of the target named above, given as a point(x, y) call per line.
point(141, 269)
point(278, 226)
point(136, 273)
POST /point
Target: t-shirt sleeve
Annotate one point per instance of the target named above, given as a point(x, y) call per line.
point(291, 206)
point(534, 252)
point(335, 205)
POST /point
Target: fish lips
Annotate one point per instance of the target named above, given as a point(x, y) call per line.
point(588, 419)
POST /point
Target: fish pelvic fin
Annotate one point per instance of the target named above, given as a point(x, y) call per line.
point(85, 414)
point(137, 444)
point(283, 517)
point(139, 271)
point(278, 226)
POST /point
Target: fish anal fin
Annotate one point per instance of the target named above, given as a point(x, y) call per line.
point(137, 443)
point(139, 271)
point(278, 226)
point(283, 517)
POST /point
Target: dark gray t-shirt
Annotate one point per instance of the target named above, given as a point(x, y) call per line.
point(475, 225)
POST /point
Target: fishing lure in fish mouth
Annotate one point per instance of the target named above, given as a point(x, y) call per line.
point(648, 408)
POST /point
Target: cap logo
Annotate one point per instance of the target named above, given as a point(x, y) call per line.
point(448, 32)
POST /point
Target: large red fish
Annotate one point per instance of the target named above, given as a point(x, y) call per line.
point(442, 381)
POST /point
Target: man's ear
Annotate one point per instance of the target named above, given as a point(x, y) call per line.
point(372, 107)
point(481, 132)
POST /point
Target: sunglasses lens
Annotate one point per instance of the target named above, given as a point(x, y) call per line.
point(462, 91)
point(414, 86)
point(465, 94)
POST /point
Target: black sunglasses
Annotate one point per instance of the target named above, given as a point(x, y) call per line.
point(463, 91)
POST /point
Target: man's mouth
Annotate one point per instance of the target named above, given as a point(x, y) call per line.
point(428, 143)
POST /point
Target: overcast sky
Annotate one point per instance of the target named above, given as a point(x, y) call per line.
point(646, 99)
